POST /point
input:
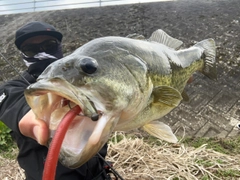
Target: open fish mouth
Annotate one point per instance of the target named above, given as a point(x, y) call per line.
point(90, 128)
point(52, 112)
point(79, 130)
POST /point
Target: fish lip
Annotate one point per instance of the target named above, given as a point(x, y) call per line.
point(55, 93)
point(62, 88)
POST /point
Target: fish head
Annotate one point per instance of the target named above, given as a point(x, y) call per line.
point(102, 89)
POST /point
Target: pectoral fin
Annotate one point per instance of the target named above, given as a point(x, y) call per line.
point(167, 96)
point(160, 130)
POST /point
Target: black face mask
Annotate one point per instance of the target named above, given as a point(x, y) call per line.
point(37, 68)
point(38, 63)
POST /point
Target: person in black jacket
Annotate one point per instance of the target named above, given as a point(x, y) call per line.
point(40, 45)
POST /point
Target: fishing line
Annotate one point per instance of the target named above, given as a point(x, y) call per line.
point(14, 68)
point(109, 165)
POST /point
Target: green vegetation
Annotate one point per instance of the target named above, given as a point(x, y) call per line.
point(117, 138)
point(7, 145)
point(230, 146)
point(225, 146)
point(5, 138)
point(205, 163)
point(230, 173)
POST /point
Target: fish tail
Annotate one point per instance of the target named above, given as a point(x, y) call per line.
point(209, 57)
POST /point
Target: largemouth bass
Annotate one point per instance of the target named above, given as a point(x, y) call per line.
point(120, 83)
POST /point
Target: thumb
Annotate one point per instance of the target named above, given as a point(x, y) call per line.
point(34, 128)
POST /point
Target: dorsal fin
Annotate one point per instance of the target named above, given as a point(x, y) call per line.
point(161, 37)
point(136, 36)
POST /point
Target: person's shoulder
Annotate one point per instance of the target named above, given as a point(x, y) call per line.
point(13, 82)
point(26, 77)
point(10, 88)
point(23, 80)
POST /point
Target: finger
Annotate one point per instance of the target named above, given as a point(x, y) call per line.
point(34, 128)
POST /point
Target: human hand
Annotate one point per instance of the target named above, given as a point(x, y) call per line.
point(34, 128)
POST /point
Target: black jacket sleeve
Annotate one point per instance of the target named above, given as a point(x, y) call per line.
point(13, 105)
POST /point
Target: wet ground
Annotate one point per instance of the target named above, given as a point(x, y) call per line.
point(214, 107)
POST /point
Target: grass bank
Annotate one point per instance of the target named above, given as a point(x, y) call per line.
point(137, 156)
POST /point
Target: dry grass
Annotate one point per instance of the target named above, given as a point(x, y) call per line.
point(9, 168)
point(134, 159)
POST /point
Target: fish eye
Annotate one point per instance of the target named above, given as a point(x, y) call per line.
point(88, 65)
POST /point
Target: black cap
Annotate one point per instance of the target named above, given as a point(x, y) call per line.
point(34, 29)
